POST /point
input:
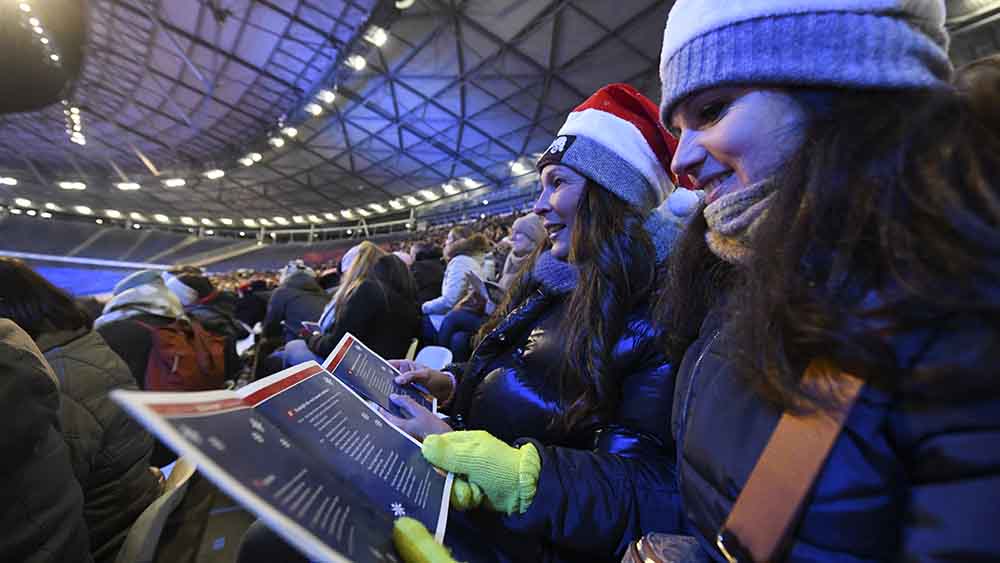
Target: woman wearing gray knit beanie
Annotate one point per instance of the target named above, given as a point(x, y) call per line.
point(849, 243)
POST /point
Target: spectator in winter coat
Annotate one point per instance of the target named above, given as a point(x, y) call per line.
point(526, 235)
point(42, 517)
point(850, 217)
point(571, 369)
point(251, 306)
point(298, 298)
point(428, 271)
point(212, 308)
point(464, 251)
point(110, 452)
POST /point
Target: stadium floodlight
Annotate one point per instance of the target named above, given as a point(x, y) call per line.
point(364, 212)
point(8, 181)
point(314, 219)
point(413, 201)
point(207, 222)
point(330, 216)
point(226, 221)
point(376, 36)
point(113, 213)
point(281, 221)
point(265, 222)
point(276, 142)
point(469, 183)
point(246, 161)
point(209, 232)
point(429, 195)
point(347, 214)
point(289, 132)
point(298, 219)
point(72, 185)
point(31, 212)
point(357, 62)
point(326, 96)
point(314, 109)
point(16, 211)
point(250, 223)
point(128, 186)
point(518, 168)
point(45, 215)
point(256, 156)
point(449, 189)
point(188, 221)
point(84, 210)
point(52, 207)
point(136, 216)
point(20, 201)
point(214, 174)
point(174, 182)
point(161, 218)
point(396, 204)
point(379, 208)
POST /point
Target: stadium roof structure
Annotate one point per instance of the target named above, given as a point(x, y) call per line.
point(333, 108)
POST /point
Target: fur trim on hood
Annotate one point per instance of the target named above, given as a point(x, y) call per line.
point(474, 246)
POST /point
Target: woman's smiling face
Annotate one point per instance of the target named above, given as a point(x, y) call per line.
point(731, 138)
point(562, 188)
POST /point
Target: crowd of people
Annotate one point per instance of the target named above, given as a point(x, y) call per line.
point(794, 359)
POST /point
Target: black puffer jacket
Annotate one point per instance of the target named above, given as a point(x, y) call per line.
point(914, 476)
point(298, 299)
point(42, 506)
point(600, 486)
point(109, 450)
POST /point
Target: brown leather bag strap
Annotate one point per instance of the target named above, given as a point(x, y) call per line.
point(769, 503)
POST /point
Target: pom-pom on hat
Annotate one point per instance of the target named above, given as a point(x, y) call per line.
point(615, 138)
point(862, 44)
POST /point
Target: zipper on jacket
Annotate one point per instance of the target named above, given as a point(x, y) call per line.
point(682, 426)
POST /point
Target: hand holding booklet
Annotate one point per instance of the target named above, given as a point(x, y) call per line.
point(306, 451)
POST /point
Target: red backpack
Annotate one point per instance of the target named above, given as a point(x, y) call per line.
point(185, 357)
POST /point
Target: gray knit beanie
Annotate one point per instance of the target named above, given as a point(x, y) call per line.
point(876, 44)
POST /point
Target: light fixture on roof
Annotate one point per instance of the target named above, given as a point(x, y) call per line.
point(99, 221)
point(136, 216)
point(518, 168)
point(469, 183)
point(8, 181)
point(404, 4)
point(429, 195)
point(265, 222)
point(161, 218)
point(207, 222)
point(396, 204)
point(376, 36)
point(289, 132)
point(486, 202)
point(25, 7)
point(250, 223)
point(379, 208)
point(188, 221)
point(314, 218)
point(15, 211)
point(83, 210)
point(281, 220)
point(350, 232)
point(128, 186)
point(34, 21)
point(330, 216)
point(22, 202)
point(72, 186)
point(209, 232)
point(226, 221)
point(298, 219)
point(276, 142)
point(413, 201)
point(256, 156)
point(174, 182)
point(449, 188)
point(113, 213)
point(45, 215)
point(357, 62)
point(31, 212)
point(364, 212)
point(314, 109)
point(52, 207)
point(347, 214)
point(243, 233)
point(326, 96)
point(136, 226)
point(214, 174)
point(246, 161)
point(54, 58)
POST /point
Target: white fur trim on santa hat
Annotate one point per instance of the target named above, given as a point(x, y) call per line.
point(622, 138)
point(689, 19)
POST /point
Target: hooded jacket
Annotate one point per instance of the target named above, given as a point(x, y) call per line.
point(913, 476)
point(110, 452)
point(464, 257)
point(42, 515)
point(299, 298)
point(602, 484)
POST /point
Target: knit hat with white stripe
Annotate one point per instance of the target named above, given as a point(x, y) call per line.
point(615, 138)
point(861, 44)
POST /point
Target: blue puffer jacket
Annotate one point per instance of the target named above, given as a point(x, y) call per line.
point(601, 485)
point(914, 476)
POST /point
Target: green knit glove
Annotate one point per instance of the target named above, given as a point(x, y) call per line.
point(416, 545)
point(505, 476)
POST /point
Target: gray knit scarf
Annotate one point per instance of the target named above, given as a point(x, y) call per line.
point(733, 218)
point(556, 276)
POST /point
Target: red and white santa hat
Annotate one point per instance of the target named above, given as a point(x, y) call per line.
point(615, 139)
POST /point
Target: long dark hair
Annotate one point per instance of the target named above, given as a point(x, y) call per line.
point(886, 220)
point(34, 303)
point(612, 252)
point(391, 273)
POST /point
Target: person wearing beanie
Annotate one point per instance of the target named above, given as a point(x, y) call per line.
point(215, 310)
point(298, 298)
point(565, 403)
point(849, 226)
